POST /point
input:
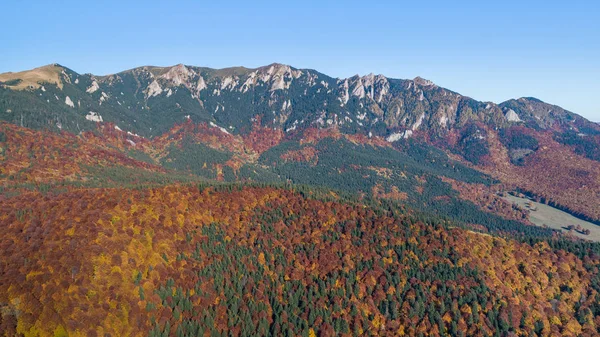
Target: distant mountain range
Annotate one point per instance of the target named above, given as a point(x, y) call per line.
point(149, 100)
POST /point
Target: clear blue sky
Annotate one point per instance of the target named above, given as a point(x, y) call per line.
point(489, 51)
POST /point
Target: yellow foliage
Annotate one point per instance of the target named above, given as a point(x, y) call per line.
point(311, 333)
point(60, 332)
point(33, 274)
point(378, 322)
point(180, 219)
point(115, 269)
point(447, 317)
point(573, 326)
point(555, 320)
point(261, 259)
point(26, 331)
point(329, 222)
point(102, 259)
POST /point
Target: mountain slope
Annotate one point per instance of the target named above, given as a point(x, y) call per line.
point(254, 110)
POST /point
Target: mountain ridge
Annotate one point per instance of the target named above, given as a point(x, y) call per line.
point(294, 97)
point(418, 79)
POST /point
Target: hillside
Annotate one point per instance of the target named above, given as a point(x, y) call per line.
point(184, 260)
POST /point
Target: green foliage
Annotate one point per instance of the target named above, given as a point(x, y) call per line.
point(234, 271)
point(22, 214)
point(515, 139)
point(120, 176)
point(519, 144)
point(28, 109)
point(234, 266)
point(140, 156)
point(254, 173)
point(344, 166)
point(583, 144)
point(194, 157)
point(13, 82)
point(473, 145)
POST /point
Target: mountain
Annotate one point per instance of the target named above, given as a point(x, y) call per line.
point(149, 100)
point(186, 201)
point(273, 107)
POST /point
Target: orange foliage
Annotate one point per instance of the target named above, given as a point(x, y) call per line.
point(395, 194)
point(486, 198)
point(71, 261)
point(41, 157)
point(554, 172)
point(305, 154)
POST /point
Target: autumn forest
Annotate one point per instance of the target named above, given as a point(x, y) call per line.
point(195, 202)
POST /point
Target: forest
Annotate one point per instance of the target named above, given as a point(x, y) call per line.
point(199, 232)
point(235, 260)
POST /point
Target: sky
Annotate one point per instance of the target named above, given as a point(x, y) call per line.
point(488, 50)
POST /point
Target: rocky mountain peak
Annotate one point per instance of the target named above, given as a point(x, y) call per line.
point(280, 76)
point(178, 74)
point(423, 82)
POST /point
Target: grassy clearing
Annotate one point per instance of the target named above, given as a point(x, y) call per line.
point(33, 78)
point(542, 214)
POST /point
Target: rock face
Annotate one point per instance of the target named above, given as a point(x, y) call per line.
point(149, 100)
point(512, 116)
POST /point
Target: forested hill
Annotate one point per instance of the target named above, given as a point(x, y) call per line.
point(246, 261)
